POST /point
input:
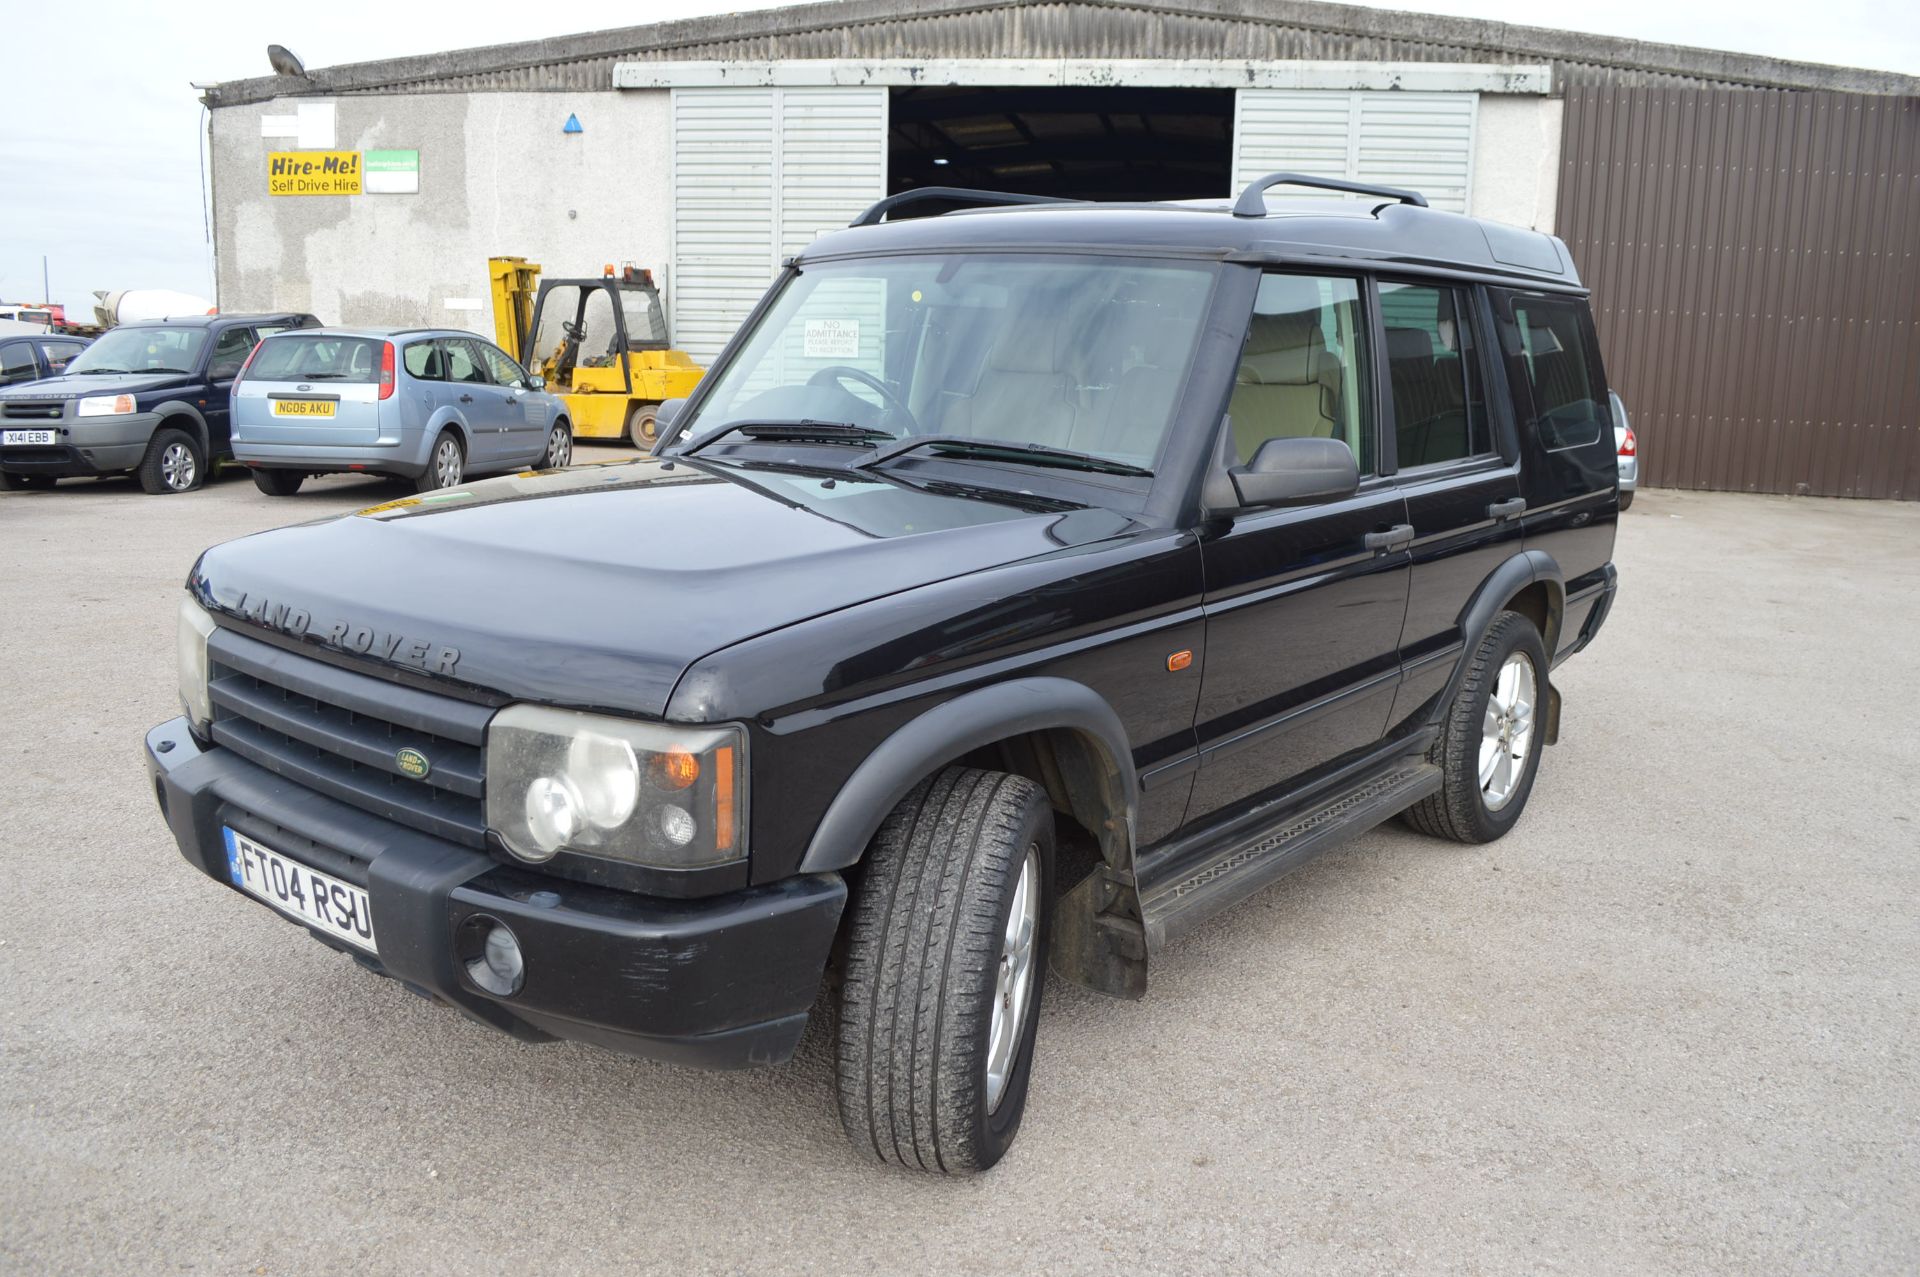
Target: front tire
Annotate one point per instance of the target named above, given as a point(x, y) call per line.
point(174, 463)
point(559, 448)
point(445, 464)
point(643, 425)
point(278, 483)
point(945, 964)
point(1489, 746)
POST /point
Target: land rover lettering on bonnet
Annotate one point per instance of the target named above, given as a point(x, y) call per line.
point(1046, 577)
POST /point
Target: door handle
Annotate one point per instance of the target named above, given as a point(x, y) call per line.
point(1391, 539)
point(1507, 509)
point(466, 398)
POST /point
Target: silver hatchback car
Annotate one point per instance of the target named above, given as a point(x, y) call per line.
point(430, 405)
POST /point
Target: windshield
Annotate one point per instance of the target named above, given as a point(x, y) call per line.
point(141, 350)
point(646, 324)
point(1080, 353)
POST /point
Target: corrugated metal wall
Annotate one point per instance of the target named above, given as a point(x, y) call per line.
point(1755, 264)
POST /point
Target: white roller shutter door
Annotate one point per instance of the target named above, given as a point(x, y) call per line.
point(1422, 141)
point(758, 174)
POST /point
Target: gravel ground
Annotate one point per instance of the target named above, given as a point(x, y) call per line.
point(1667, 1025)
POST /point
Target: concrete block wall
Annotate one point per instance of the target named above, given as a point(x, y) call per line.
point(497, 176)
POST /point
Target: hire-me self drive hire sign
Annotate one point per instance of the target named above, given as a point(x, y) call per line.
point(313, 173)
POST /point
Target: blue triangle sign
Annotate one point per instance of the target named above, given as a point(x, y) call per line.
point(572, 125)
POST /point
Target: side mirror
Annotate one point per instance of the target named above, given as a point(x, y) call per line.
point(536, 382)
point(1297, 471)
point(666, 414)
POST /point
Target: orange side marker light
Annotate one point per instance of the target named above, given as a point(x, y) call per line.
point(1179, 661)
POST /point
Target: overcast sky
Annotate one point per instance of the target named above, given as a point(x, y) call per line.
point(100, 143)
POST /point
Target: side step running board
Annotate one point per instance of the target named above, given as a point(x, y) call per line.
point(1192, 894)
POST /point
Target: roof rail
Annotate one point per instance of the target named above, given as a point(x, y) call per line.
point(1252, 201)
point(957, 194)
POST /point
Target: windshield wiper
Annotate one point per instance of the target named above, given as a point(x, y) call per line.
point(1005, 450)
point(318, 376)
point(98, 372)
point(802, 431)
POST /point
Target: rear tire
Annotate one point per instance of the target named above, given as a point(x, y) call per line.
point(174, 463)
point(445, 464)
point(643, 428)
point(1626, 501)
point(278, 483)
point(26, 482)
point(1499, 713)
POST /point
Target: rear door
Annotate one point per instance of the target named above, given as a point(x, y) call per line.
point(1303, 604)
point(1459, 477)
point(57, 354)
point(1568, 456)
point(316, 389)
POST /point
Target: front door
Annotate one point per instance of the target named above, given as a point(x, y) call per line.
point(1458, 474)
point(524, 438)
point(1304, 605)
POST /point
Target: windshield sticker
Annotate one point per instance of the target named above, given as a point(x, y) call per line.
point(832, 339)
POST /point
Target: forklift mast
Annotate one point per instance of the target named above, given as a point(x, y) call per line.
point(513, 284)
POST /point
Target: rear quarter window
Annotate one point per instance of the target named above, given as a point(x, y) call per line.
point(1553, 363)
point(301, 357)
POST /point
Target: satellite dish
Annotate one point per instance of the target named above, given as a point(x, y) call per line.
point(285, 61)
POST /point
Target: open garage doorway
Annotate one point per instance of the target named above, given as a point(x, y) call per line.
point(1091, 143)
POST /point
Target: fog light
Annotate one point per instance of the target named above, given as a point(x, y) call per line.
point(499, 967)
point(676, 823)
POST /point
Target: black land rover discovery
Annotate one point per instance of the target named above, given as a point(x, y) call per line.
point(1022, 584)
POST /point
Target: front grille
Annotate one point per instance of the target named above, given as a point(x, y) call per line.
point(339, 733)
point(32, 410)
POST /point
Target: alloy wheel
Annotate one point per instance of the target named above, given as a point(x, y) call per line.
point(1506, 736)
point(1013, 979)
point(177, 467)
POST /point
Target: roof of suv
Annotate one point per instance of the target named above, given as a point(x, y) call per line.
point(1377, 233)
point(208, 321)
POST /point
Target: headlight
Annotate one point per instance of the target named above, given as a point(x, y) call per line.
point(648, 793)
point(105, 406)
point(195, 628)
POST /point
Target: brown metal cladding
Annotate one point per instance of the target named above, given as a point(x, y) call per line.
point(1754, 257)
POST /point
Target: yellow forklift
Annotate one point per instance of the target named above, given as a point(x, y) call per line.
point(600, 343)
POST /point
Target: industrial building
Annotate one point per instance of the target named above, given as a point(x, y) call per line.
point(1750, 226)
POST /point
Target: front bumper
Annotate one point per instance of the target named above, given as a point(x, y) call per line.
point(96, 445)
point(721, 982)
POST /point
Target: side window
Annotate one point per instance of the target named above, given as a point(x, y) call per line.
point(229, 352)
point(16, 363)
point(1303, 369)
point(504, 371)
point(60, 353)
point(1550, 350)
point(1439, 401)
point(424, 361)
point(463, 362)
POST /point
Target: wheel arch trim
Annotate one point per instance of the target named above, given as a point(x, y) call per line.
point(1513, 577)
point(172, 411)
point(1024, 707)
